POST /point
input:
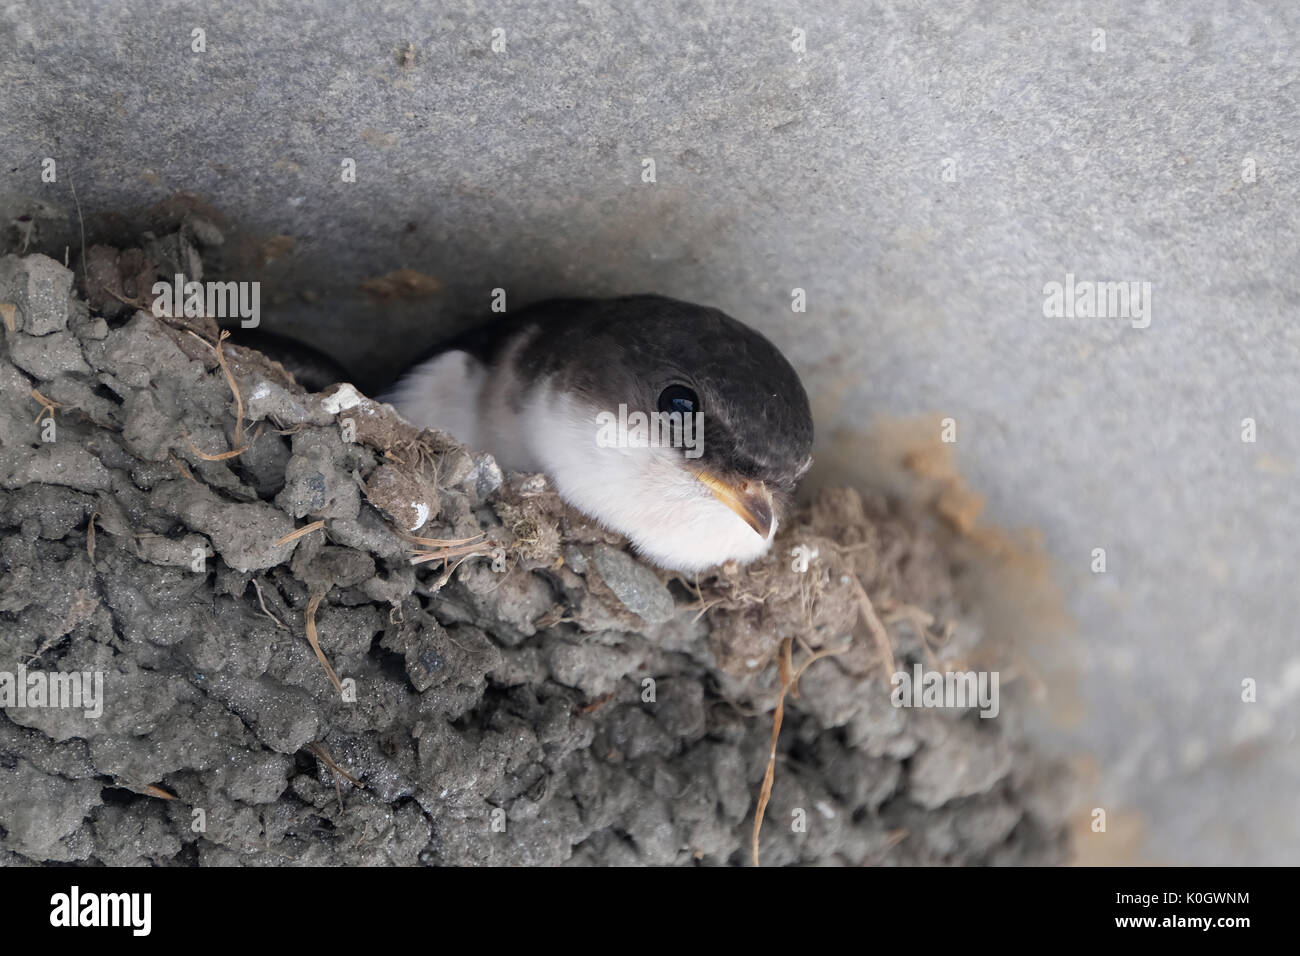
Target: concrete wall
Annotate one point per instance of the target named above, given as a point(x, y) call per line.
point(921, 170)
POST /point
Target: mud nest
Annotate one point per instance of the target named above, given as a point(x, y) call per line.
point(283, 685)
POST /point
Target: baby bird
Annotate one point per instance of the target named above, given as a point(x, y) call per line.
point(671, 423)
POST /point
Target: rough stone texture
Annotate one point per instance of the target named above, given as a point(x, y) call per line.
point(38, 286)
point(635, 585)
point(538, 697)
point(921, 171)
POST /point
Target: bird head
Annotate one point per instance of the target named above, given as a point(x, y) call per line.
point(702, 426)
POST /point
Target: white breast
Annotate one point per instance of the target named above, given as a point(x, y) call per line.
point(443, 394)
point(647, 494)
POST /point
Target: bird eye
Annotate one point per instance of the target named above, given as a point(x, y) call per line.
point(679, 398)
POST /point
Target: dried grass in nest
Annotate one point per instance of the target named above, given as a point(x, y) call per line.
point(299, 533)
point(789, 685)
point(47, 407)
point(240, 447)
point(313, 639)
point(789, 675)
point(324, 757)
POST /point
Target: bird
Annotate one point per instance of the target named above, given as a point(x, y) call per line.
point(674, 424)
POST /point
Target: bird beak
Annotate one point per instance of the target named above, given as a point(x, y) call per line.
point(749, 499)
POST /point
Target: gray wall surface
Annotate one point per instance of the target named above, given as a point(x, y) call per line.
point(922, 170)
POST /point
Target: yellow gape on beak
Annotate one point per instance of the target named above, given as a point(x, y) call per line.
point(749, 499)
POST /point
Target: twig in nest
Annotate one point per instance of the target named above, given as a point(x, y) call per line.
point(424, 545)
point(50, 642)
point(789, 684)
point(816, 656)
point(300, 532)
point(258, 587)
point(691, 585)
point(550, 618)
point(206, 457)
point(324, 757)
point(921, 622)
point(47, 407)
point(230, 380)
point(878, 632)
point(90, 536)
point(705, 607)
point(451, 569)
point(769, 775)
point(182, 467)
point(437, 542)
point(454, 551)
point(312, 639)
point(320, 751)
